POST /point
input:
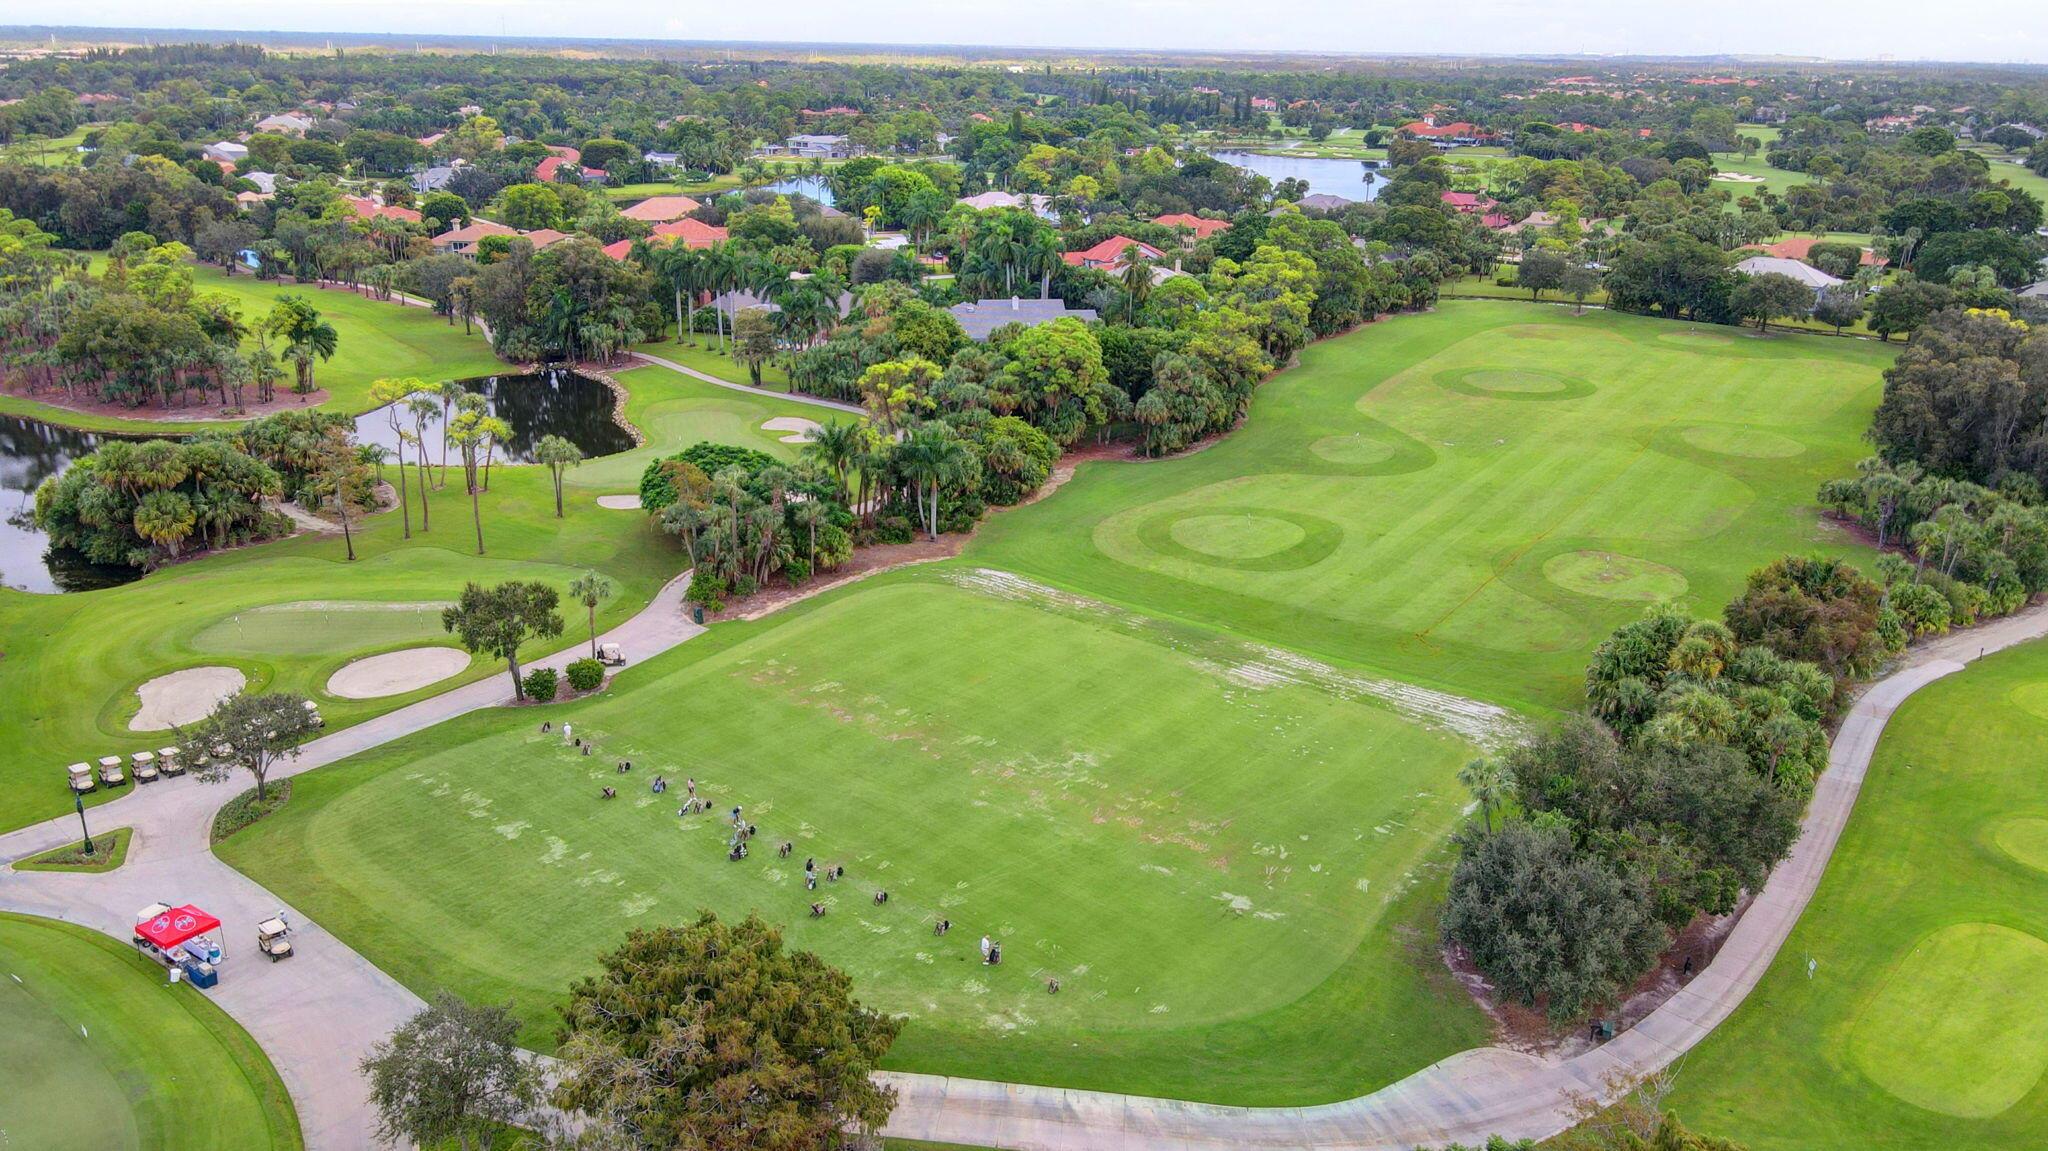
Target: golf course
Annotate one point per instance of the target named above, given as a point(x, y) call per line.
point(1183, 736)
point(88, 1033)
point(1921, 1022)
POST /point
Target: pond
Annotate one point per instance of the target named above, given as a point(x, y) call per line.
point(30, 452)
point(1350, 179)
point(552, 402)
point(813, 186)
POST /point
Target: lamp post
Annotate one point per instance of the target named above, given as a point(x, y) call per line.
point(80, 801)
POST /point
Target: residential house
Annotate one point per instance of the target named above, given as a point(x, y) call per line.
point(549, 171)
point(1108, 255)
point(691, 233)
point(428, 141)
point(981, 318)
point(660, 209)
point(369, 209)
point(1469, 203)
point(661, 159)
point(1198, 228)
point(266, 182)
point(1806, 274)
point(434, 179)
point(543, 237)
point(462, 241)
point(1033, 202)
point(1325, 202)
point(1453, 134)
point(818, 147)
point(1798, 247)
point(225, 152)
point(285, 124)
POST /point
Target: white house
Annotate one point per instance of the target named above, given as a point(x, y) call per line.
point(1805, 273)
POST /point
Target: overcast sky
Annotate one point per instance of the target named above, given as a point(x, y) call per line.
point(1987, 30)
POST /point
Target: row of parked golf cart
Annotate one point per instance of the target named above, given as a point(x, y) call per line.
point(149, 766)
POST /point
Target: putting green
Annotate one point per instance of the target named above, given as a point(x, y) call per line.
point(2025, 838)
point(2032, 698)
point(1924, 1022)
point(1973, 987)
point(1607, 575)
point(312, 627)
point(1432, 567)
point(97, 1052)
point(1736, 440)
point(1147, 811)
point(1246, 539)
point(1249, 535)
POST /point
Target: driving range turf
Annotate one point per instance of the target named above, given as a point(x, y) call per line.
point(1471, 499)
point(1924, 1023)
point(97, 1052)
point(290, 613)
point(1197, 673)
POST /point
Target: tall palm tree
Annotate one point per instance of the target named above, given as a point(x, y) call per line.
point(395, 396)
point(930, 458)
point(590, 589)
point(1489, 782)
point(451, 393)
point(1042, 255)
point(836, 444)
point(495, 431)
point(423, 407)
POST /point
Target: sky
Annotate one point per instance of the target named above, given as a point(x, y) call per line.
point(1995, 31)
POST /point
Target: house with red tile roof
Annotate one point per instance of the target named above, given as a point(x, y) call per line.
point(619, 250)
point(369, 209)
point(1456, 133)
point(660, 209)
point(691, 233)
point(1109, 254)
point(547, 170)
point(1202, 228)
point(543, 237)
point(462, 241)
point(1798, 247)
point(1469, 203)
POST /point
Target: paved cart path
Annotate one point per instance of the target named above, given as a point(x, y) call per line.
point(319, 1012)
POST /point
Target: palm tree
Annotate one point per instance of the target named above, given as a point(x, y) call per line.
point(559, 455)
point(836, 444)
point(305, 334)
point(1137, 279)
point(591, 588)
point(395, 396)
point(1042, 255)
point(423, 408)
point(450, 393)
point(165, 518)
point(468, 435)
point(495, 432)
point(808, 515)
point(931, 458)
point(1489, 782)
point(680, 268)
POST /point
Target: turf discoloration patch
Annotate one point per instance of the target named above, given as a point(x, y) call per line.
point(1735, 440)
point(2025, 838)
point(1609, 575)
point(1515, 383)
point(1960, 1027)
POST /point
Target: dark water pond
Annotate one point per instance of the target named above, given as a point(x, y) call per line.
point(555, 402)
point(30, 452)
point(1347, 178)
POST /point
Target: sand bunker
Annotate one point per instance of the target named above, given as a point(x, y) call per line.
point(184, 697)
point(1739, 178)
point(800, 429)
point(396, 672)
point(619, 503)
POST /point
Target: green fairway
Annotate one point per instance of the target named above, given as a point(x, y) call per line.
point(1225, 853)
point(1431, 470)
point(705, 356)
point(376, 339)
point(98, 1053)
point(674, 411)
point(1923, 1023)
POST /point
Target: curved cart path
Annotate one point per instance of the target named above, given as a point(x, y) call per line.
point(319, 1012)
point(794, 397)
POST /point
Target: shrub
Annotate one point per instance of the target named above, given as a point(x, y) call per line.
point(585, 674)
point(707, 591)
point(894, 530)
point(244, 809)
point(540, 684)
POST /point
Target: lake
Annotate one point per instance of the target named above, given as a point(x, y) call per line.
point(30, 452)
point(553, 402)
point(1347, 178)
point(813, 186)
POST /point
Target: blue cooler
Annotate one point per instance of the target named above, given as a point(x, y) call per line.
point(201, 975)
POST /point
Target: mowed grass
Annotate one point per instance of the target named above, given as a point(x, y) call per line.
point(97, 1053)
point(1438, 466)
point(376, 339)
point(1229, 873)
point(674, 411)
point(1924, 1023)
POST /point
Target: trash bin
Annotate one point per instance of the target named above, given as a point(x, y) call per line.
point(697, 612)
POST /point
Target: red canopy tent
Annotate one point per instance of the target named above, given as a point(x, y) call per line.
point(170, 928)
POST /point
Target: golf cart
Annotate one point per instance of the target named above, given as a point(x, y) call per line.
point(611, 655)
point(169, 761)
point(144, 766)
point(81, 777)
point(273, 938)
point(110, 771)
point(313, 709)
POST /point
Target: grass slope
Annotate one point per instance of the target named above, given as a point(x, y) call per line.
point(1923, 1023)
point(1227, 873)
point(96, 1052)
point(1436, 465)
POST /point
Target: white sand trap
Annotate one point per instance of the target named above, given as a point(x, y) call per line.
point(184, 697)
point(800, 429)
point(395, 672)
point(1738, 178)
point(619, 503)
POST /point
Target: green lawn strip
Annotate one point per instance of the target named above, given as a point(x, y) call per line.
point(674, 410)
point(1231, 876)
point(1921, 1024)
point(1449, 502)
point(704, 355)
point(96, 1050)
point(110, 850)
